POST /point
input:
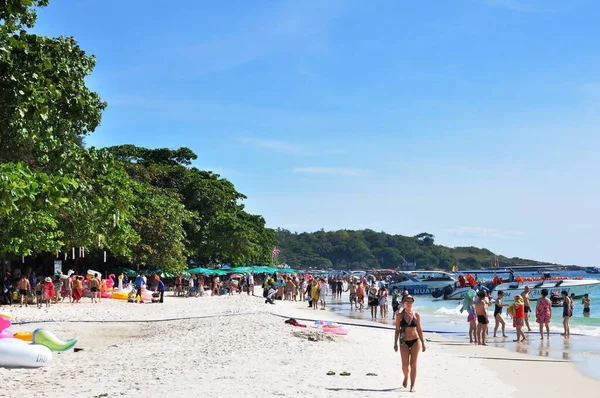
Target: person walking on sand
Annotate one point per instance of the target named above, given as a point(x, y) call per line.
point(360, 295)
point(519, 318)
point(586, 305)
point(250, 284)
point(94, 287)
point(23, 286)
point(323, 293)
point(543, 313)
point(567, 313)
point(39, 293)
point(382, 296)
point(526, 306)
point(395, 303)
point(139, 285)
point(48, 290)
point(481, 309)
point(353, 302)
point(77, 288)
point(373, 301)
point(409, 336)
point(498, 314)
point(314, 293)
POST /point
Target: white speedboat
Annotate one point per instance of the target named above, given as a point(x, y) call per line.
point(422, 282)
point(577, 286)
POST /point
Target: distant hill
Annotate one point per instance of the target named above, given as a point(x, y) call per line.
point(347, 249)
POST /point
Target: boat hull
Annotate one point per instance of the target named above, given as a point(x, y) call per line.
point(420, 289)
point(579, 288)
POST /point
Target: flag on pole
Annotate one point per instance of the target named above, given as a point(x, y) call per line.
point(275, 251)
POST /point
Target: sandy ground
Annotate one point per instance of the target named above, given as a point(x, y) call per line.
point(237, 346)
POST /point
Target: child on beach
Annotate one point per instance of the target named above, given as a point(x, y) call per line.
point(586, 304)
point(498, 315)
point(39, 292)
point(519, 318)
point(543, 313)
point(482, 317)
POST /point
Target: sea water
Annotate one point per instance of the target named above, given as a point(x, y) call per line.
point(444, 317)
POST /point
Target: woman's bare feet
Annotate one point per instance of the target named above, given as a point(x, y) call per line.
point(504, 335)
point(405, 382)
point(412, 389)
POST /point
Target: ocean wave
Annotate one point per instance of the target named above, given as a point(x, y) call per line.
point(449, 311)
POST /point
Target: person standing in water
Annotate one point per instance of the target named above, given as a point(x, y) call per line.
point(409, 336)
point(586, 305)
point(373, 301)
point(526, 306)
point(519, 318)
point(498, 315)
point(567, 313)
point(482, 318)
point(543, 313)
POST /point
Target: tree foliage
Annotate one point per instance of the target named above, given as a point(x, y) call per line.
point(346, 249)
point(149, 207)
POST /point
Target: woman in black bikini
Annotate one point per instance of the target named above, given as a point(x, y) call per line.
point(408, 330)
point(498, 315)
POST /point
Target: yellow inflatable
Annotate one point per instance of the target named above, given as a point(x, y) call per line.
point(120, 295)
point(25, 336)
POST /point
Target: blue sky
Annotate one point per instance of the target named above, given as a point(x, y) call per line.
point(475, 120)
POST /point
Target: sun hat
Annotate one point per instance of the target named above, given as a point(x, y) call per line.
point(408, 297)
point(48, 279)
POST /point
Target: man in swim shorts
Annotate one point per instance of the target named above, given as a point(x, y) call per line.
point(94, 288)
point(353, 297)
point(526, 306)
point(482, 317)
point(24, 287)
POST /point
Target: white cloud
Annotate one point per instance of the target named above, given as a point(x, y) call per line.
point(338, 171)
point(273, 145)
point(484, 232)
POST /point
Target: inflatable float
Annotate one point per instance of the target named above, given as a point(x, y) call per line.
point(15, 353)
point(4, 325)
point(335, 330)
point(48, 339)
point(24, 336)
point(120, 294)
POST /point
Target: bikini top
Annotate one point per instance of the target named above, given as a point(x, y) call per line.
point(404, 324)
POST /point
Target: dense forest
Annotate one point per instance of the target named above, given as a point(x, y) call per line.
point(346, 249)
point(61, 199)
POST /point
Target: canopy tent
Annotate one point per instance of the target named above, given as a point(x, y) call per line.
point(207, 271)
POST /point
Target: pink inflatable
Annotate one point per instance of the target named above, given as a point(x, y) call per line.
point(4, 325)
point(335, 330)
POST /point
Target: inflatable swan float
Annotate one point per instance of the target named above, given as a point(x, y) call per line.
point(17, 352)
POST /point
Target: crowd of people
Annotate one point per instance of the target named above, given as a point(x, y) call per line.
point(519, 310)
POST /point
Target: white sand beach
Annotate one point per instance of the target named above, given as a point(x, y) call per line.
point(238, 346)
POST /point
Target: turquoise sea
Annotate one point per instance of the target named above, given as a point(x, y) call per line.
point(444, 317)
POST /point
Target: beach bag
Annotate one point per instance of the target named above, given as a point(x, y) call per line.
point(510, 311)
